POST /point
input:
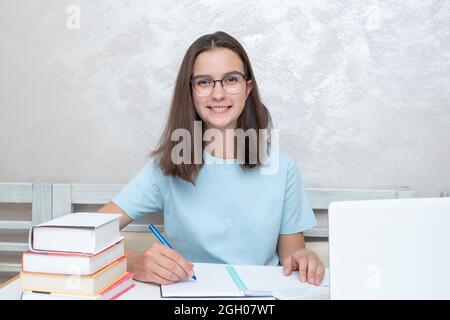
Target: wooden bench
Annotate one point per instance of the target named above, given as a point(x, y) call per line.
point(39, 197)
point(50, 201)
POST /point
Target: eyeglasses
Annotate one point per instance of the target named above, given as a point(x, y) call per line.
point(232, 83)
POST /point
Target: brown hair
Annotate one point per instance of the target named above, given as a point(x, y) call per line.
point(183, 114)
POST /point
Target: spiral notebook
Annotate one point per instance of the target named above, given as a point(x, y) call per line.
point(222, 280)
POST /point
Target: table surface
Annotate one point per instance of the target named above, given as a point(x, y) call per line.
point(142, 291)
point(11, 290)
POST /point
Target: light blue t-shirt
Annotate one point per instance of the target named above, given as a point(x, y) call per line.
point(231, 215)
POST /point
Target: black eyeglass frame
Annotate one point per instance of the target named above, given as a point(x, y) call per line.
point(191, 81)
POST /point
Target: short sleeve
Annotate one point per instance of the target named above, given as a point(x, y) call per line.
point(143, 194)
point(298, 215)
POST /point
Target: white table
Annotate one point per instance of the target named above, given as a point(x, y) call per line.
point(142, 291)
point(10, 290)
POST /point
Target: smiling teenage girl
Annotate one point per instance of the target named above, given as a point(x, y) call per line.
point(220, 209)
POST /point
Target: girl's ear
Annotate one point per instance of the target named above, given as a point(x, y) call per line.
point(249, 88)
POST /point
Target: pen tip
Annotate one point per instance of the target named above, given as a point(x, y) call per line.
point(194, 277)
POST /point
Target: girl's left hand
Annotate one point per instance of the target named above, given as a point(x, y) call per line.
point(307, 263)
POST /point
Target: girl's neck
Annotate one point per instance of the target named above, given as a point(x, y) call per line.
point(223, 147)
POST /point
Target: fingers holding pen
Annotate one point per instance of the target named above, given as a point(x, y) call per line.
point(168, 263)
point(175, 262)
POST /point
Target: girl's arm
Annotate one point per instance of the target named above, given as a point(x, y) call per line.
point(111, 207)
point(294, 256)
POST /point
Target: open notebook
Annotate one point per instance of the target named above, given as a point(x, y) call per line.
point(221, 280)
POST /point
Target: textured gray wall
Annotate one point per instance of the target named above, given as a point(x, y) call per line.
point(360, 90)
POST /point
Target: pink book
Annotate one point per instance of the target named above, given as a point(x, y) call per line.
point(70, 263)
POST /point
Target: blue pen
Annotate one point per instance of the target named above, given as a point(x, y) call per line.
point(163, 241)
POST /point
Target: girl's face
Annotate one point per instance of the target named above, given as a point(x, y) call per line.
point(220, 109)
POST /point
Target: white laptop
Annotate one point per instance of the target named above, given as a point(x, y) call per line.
point(390, 249)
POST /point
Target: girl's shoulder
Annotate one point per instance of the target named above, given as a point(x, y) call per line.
point(282, 159)
point(153, 170)
point(283, 155)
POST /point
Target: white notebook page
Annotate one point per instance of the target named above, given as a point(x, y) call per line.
point(213, 280)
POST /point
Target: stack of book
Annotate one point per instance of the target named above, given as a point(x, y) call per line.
point(77, 256)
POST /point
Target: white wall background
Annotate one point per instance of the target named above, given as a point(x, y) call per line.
point(360, 90)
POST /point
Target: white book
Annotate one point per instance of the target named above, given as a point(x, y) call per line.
point(110, 293)
point(74, 284)
point(76, 232)
point(221, 280)
point(71, 263)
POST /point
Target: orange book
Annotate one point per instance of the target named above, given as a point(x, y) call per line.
point(89, 285)
point(112, 292)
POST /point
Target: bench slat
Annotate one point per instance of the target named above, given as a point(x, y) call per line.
point(94, 193)
point(13, 246)
point(10, 267)
point(16, 192)
point(15, 225)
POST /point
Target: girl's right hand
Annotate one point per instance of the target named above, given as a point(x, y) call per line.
point(162, 265)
